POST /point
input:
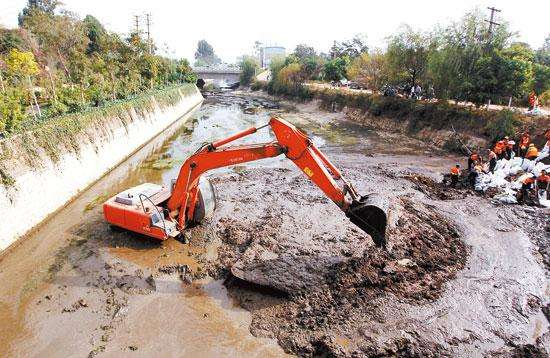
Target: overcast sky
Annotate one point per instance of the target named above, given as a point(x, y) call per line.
point(231, 27)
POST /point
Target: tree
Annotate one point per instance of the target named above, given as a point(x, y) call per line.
point(44, 6)
point(185, 72)
point(408, 56)
point(205, 55)
point(95, 33)
point(10, 39)
point(248, 67)
point(335, 69)
point(303, 52)
point(370, 70)
point(542, 55)
point(350, 48)
point(21, 65)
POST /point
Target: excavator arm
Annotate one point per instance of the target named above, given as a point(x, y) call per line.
point(161, 212)
point(369, 213)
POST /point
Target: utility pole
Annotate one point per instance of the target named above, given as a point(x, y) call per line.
point(149, 43)
point(492, 21)
point(136, 22)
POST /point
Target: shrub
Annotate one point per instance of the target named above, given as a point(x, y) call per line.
point(12, 111)
point(502, 125)
point(56, 109)
point(544, 98)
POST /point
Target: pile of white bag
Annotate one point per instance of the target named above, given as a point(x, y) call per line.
point(506, 168)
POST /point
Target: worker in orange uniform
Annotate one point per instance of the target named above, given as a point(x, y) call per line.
point(500, 149)
point(492, 161)
point(455, 174)
point(473, 160)
point(543, 184)
point(524, 142)
point(526, 186)
point(532, 100)
point(532, 152)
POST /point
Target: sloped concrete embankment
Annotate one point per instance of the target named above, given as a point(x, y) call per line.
point(40, 176)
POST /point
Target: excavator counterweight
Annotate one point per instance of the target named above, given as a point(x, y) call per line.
point(162, 212)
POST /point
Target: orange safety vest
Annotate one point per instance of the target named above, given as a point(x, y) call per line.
point(543, 178)
point(532, 96)
point(528, 180)
point(455, 171)
point(532, 152)
point(524, 143)
point(499, 147)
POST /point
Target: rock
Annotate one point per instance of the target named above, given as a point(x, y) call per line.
point(406, 263)
point(298, 267)
point(151, 282)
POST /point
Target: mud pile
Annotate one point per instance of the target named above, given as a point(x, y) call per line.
point(315, 293)
point(437, 190)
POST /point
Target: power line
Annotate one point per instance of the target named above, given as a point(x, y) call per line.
point(491, 21)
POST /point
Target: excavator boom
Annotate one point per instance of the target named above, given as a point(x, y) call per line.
point(183, 203)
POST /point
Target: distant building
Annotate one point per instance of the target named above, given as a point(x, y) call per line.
point(268, 53)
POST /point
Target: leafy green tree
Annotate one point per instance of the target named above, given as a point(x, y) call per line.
point(371, 70)
point(95, 33)
point(185, 72)
point(205, 55)
point(304, 52)
point(10, 39)
point(408, 56)
point(349, 48)
point(335, 69)
point(541, 78)
point(499, 76)
point(542, 55)
point(248, 67)
point(44, 6)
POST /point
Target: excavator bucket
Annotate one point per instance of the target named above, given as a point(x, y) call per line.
point(370, 214)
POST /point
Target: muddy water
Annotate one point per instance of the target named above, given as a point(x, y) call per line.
point(65, 261)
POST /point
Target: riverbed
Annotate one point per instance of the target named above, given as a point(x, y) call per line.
point(77, 287)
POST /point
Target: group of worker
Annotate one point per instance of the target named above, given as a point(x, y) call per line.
point(508, 149)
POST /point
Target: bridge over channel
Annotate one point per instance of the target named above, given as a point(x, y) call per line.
point(218, 74)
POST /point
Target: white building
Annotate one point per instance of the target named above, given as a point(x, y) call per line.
point(268, 53)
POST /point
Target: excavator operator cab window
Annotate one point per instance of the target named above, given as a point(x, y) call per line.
point(155, 218)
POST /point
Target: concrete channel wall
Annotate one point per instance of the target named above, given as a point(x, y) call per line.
point(38, 188)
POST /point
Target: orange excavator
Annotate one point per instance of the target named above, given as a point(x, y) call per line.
point(162, 212)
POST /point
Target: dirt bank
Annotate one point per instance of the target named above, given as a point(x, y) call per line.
point(462, 276)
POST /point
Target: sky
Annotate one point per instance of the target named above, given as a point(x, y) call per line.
point(232, 27)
